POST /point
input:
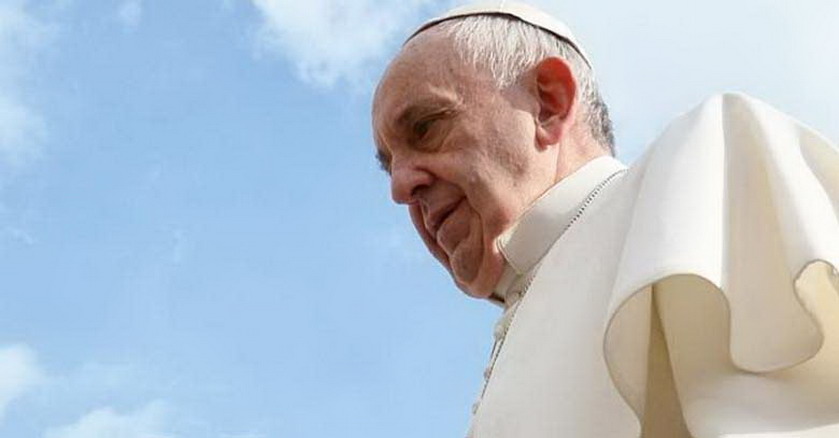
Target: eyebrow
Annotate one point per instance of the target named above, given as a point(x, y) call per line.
point(424, 108)
point(411, 113)
point(384, 160)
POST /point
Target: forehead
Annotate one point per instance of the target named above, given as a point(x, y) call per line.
point(426, 71)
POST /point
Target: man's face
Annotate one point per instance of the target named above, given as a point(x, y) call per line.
point(461, 154)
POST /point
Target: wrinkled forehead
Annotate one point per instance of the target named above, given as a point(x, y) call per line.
point(427, 68)
point(427, 60)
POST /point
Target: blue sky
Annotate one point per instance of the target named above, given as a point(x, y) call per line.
point(195, 239)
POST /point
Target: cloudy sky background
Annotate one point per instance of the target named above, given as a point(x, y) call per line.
point(195, 240)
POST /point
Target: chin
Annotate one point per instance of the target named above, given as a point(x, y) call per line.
point(474, 292)
point(476, 264)
point(482, 283)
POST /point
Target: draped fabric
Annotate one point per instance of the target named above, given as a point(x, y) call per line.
point(716, 251)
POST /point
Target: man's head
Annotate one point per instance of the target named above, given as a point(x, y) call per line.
point(476, 118)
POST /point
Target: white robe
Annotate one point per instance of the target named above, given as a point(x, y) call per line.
point(728, 229)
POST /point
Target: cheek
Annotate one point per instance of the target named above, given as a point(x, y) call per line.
point(497, 209)
point(467, 258)
point(456, 228)
point(495, 184)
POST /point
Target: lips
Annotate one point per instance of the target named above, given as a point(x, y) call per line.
point(437, 217)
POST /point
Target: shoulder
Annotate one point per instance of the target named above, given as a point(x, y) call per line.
point(733, 120)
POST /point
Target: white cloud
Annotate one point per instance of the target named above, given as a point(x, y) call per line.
point(19, 373)
point(333, 40)
point(146, 422)
point(130, 13)
point(21, 128)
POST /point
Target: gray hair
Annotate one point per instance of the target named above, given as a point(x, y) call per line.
point(508, 47)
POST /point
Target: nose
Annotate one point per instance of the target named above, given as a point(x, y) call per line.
point(407, 181)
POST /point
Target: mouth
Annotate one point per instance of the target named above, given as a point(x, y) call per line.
point(438, 217)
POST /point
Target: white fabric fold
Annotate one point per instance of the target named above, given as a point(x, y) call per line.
point(729, 226)
point(735, 226)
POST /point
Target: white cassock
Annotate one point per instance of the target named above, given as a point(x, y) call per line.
point(693, 294)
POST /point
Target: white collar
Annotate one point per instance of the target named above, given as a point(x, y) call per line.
point(526, 242)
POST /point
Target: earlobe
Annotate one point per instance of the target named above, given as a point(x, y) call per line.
point(556, 90)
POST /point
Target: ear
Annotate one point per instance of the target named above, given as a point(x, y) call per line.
point(556, 90)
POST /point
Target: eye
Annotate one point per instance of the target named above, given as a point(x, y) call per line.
point(421, 128)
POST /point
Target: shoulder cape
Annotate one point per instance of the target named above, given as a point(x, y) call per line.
point(734, 228)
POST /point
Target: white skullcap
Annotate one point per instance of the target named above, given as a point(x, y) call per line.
point(520, 11)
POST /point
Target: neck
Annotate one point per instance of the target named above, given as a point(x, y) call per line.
point(525, 243)
point(576, 153)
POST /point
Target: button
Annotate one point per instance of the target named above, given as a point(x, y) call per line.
point(500, 329)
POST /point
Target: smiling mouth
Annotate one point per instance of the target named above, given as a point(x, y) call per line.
point(437, 224)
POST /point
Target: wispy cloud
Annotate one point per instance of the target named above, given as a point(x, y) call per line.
point(333, 40)
point(19, 373)
point(21, 128)
point(130, 13)
point(146, 422)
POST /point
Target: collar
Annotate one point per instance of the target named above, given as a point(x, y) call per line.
point(526, 242)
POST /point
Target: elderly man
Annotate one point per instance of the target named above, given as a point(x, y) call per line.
point(693, 294)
